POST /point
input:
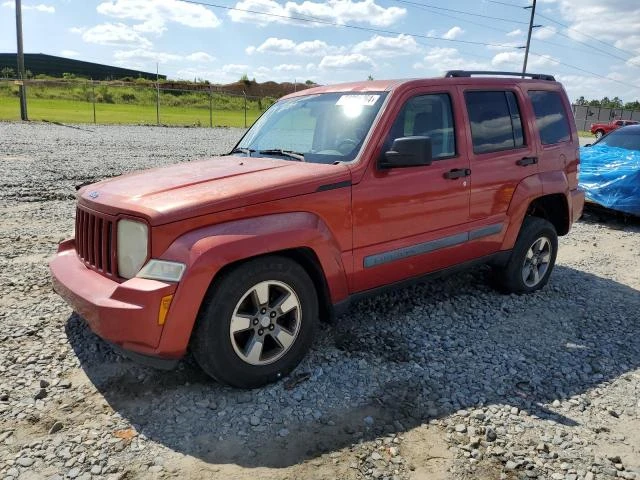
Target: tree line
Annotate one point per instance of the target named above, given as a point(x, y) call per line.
point(607, 102)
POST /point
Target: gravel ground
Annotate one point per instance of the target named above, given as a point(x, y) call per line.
point(446, 379)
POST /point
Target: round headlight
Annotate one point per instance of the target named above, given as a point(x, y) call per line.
point(133, 245)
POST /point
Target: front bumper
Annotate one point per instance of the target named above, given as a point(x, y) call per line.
point(125, 314)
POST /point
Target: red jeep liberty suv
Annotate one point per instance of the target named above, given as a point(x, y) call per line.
point(335, 192)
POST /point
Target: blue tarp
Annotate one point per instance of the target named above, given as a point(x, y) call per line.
point(610, 176)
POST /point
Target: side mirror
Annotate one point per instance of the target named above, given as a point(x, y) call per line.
point(587, 145)
point(408, 152)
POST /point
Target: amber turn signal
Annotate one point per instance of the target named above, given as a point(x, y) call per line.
point(165, 303)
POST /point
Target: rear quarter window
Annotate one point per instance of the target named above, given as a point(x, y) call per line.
point(551, 117)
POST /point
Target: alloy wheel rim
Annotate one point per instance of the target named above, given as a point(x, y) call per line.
point(265, 322)
point(536, 262)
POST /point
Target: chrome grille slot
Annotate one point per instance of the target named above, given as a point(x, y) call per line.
point(95, 242)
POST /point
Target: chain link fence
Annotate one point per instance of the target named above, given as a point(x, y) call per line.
point(586, 115)
point(170, 103)
point(141, 102)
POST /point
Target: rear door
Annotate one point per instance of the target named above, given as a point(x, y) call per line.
point(503, 151)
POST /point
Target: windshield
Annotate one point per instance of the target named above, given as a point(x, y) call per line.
point(323, 128)
point(628, 138)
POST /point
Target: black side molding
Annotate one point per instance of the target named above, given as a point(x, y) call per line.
point(498, 259)
point(333, 186)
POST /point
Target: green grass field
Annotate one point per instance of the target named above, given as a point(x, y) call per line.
point(74, 111)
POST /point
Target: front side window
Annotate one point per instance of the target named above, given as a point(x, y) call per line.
point(323, 128)
point(495, 121)
point(551, 117)
point(427, 116)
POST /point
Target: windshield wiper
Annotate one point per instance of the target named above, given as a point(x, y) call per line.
point(286, 153)
point(246, 151)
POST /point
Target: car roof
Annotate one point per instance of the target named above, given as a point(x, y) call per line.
point(394, 84)
point(629, 128)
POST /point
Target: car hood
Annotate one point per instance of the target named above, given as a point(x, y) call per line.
point(185, 190)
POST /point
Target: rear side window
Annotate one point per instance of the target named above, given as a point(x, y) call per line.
point(495, 121)
point(551, 117)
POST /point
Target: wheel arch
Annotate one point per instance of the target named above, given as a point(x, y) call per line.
point(212, 251)
point(553, 208)
point(545, 195)
point(307, 258)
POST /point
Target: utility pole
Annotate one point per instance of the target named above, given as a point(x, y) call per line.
point(157, 94)
point(22, 86)
point(531, 27)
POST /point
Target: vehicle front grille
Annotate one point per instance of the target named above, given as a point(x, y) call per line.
point(95, 241)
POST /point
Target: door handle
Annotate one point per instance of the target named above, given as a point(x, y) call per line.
point(457, 173)
point(523, 162)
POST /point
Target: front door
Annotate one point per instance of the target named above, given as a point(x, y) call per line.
point(408, 221)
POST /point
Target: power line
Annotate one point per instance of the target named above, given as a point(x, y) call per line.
point(507, 4)
point(590, 51)
point(510, 20)
point(310, 19)
point(585, 71)
point(567, 27)
point(587, 35)
point(466, 20)
point(609, 54)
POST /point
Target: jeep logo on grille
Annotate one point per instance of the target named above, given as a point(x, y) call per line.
point(93, 194)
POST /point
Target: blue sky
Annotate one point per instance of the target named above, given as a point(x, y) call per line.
point(394, 38)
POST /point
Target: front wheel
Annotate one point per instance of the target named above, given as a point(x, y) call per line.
point(599, 134)
point(532, 258)
point(257, 322)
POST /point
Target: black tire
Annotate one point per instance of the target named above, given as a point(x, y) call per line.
point(599, 134)
point(211, 342)
point(511, 277)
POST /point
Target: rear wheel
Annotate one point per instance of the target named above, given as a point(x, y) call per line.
point(599, 133)
point(257, 322)
point(532, 258)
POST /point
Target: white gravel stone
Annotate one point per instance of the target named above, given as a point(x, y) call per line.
point(513, 372)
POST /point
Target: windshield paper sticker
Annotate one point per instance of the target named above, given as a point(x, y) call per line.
point(363, 100)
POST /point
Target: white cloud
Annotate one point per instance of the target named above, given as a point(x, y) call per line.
point(541, 60)
point(114, 34)
point(286, 67)
point(38, 8)
point(380, 46)
point(200, 57)
point(608, 21)
point(514, 60)
point(507, 58)
point(315, 48)
point(544, 33)
point(453, 33)
point(514, 33)
point(155, 14)
point(69, 53)
point(354, 61)
point(285, 46)
point(338, 11)
point(236, 69)
point(140, 55)
point(438, 60)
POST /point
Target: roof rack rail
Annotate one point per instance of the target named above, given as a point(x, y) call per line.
point(468, 73)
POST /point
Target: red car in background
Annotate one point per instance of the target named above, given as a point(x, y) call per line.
point(600, 129)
